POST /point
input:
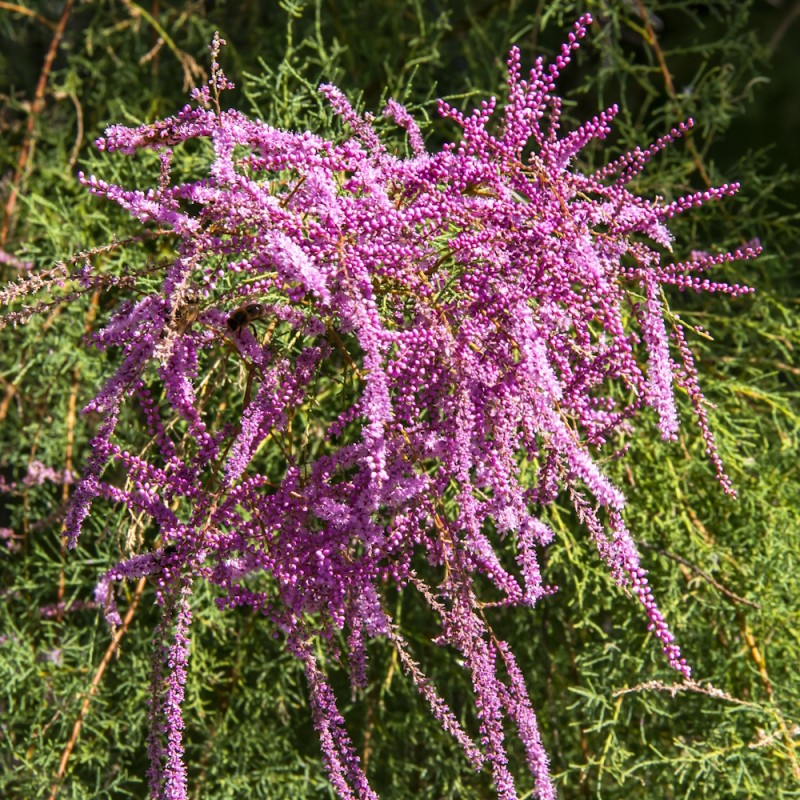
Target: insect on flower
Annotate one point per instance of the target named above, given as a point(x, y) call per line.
point(187, 313)
point(246, 314)
point(183, 315)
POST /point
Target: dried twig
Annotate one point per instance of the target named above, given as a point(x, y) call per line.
point(15, 8)
point(98, 676)
point(36, 107)
point(652, 40)
point(687, 686)
point(192, 71)
point(702, 573)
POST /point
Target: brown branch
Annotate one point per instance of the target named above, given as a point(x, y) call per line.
point(761, 664)
point(18, 9)
point(652, 40)
point(36, 107)
point(716, 584)
point(98, 676)
point(784, 26)
point(11, 390)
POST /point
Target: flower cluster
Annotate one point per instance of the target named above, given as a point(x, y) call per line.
point(428, 351)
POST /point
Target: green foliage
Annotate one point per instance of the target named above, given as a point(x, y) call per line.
point(725, 572)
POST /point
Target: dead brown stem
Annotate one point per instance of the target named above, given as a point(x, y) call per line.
point(36, 107)
point(98, 676)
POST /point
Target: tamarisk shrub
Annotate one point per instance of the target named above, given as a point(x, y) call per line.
point(437, 348)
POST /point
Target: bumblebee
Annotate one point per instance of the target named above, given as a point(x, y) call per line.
point(246, 314)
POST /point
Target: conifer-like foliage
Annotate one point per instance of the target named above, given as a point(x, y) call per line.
point(368, 424)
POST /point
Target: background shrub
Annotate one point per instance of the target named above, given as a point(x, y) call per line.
point(724, 571)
